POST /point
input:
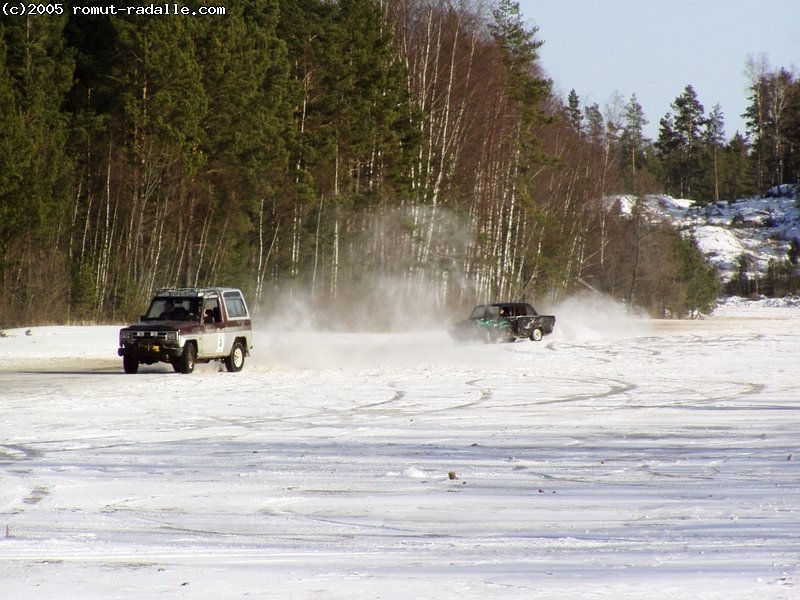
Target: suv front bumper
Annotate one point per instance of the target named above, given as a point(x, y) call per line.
point(150, 352)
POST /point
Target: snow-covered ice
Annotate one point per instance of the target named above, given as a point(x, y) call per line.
point(618, 458)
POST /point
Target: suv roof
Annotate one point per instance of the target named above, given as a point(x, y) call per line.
point(193, 291)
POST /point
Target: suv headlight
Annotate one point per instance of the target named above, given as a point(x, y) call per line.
point(172, 336)
point(125, 335)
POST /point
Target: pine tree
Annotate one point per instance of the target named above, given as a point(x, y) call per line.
point(689, 122)
point(519, 53)
point(248, 134)
point(574, 114)
point(353, 143)
point(700, 280)
point(668, 146)
point(595, 125)
point(160, 107)
point(525, 92)
point(714, 139)
point(632, 141)
point(755, 115)
point(364, 95)
point(680, 145)
point(35, 75)
point(737, 172)
point(15, 157)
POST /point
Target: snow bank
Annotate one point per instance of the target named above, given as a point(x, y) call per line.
point(761, 308)
point(95, 342)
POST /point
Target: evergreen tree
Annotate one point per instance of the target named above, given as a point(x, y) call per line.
point(668, 146)
point(595, 125)
point(160, 110)
point(714, 139)
point(689, 123)
point(755, 115)
point(15, 157)
point(353, 133)
point(245, 75)
point(737, 173)
point(366, 97)
point(681, 147)
point(633, 141)
point(163, 98)
point(574, 114)
point(35, 75)
point(248, 133)
point(700, 280)
point(519, 53)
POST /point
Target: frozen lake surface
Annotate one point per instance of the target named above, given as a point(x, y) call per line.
point(617, 458)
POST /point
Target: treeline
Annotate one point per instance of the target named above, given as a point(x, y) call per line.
point(353, 153)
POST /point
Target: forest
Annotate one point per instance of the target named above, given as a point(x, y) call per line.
point(350, 155)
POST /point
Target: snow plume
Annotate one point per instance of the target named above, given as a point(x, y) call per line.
point(380, 303)
point(401, 272)
point(588, 315)
point(395, 300)
point(283, 343)
point(409, 268)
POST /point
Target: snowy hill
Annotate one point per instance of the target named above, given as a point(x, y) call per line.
point(760, 228)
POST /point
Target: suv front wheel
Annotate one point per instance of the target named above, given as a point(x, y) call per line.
point(188, 359)
point(130, 365)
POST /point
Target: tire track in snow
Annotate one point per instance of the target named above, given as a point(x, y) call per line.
point(17, 452)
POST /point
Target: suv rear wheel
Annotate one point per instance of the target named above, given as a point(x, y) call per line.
point(235, 361)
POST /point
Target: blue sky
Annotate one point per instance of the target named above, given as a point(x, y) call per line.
point(655, 48)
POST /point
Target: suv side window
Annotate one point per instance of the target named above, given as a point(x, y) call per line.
point(211, 313)
point(234, 304)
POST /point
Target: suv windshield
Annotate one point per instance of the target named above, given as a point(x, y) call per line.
point(174, 309)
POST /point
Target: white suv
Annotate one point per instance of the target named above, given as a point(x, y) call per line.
point(184, 326)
